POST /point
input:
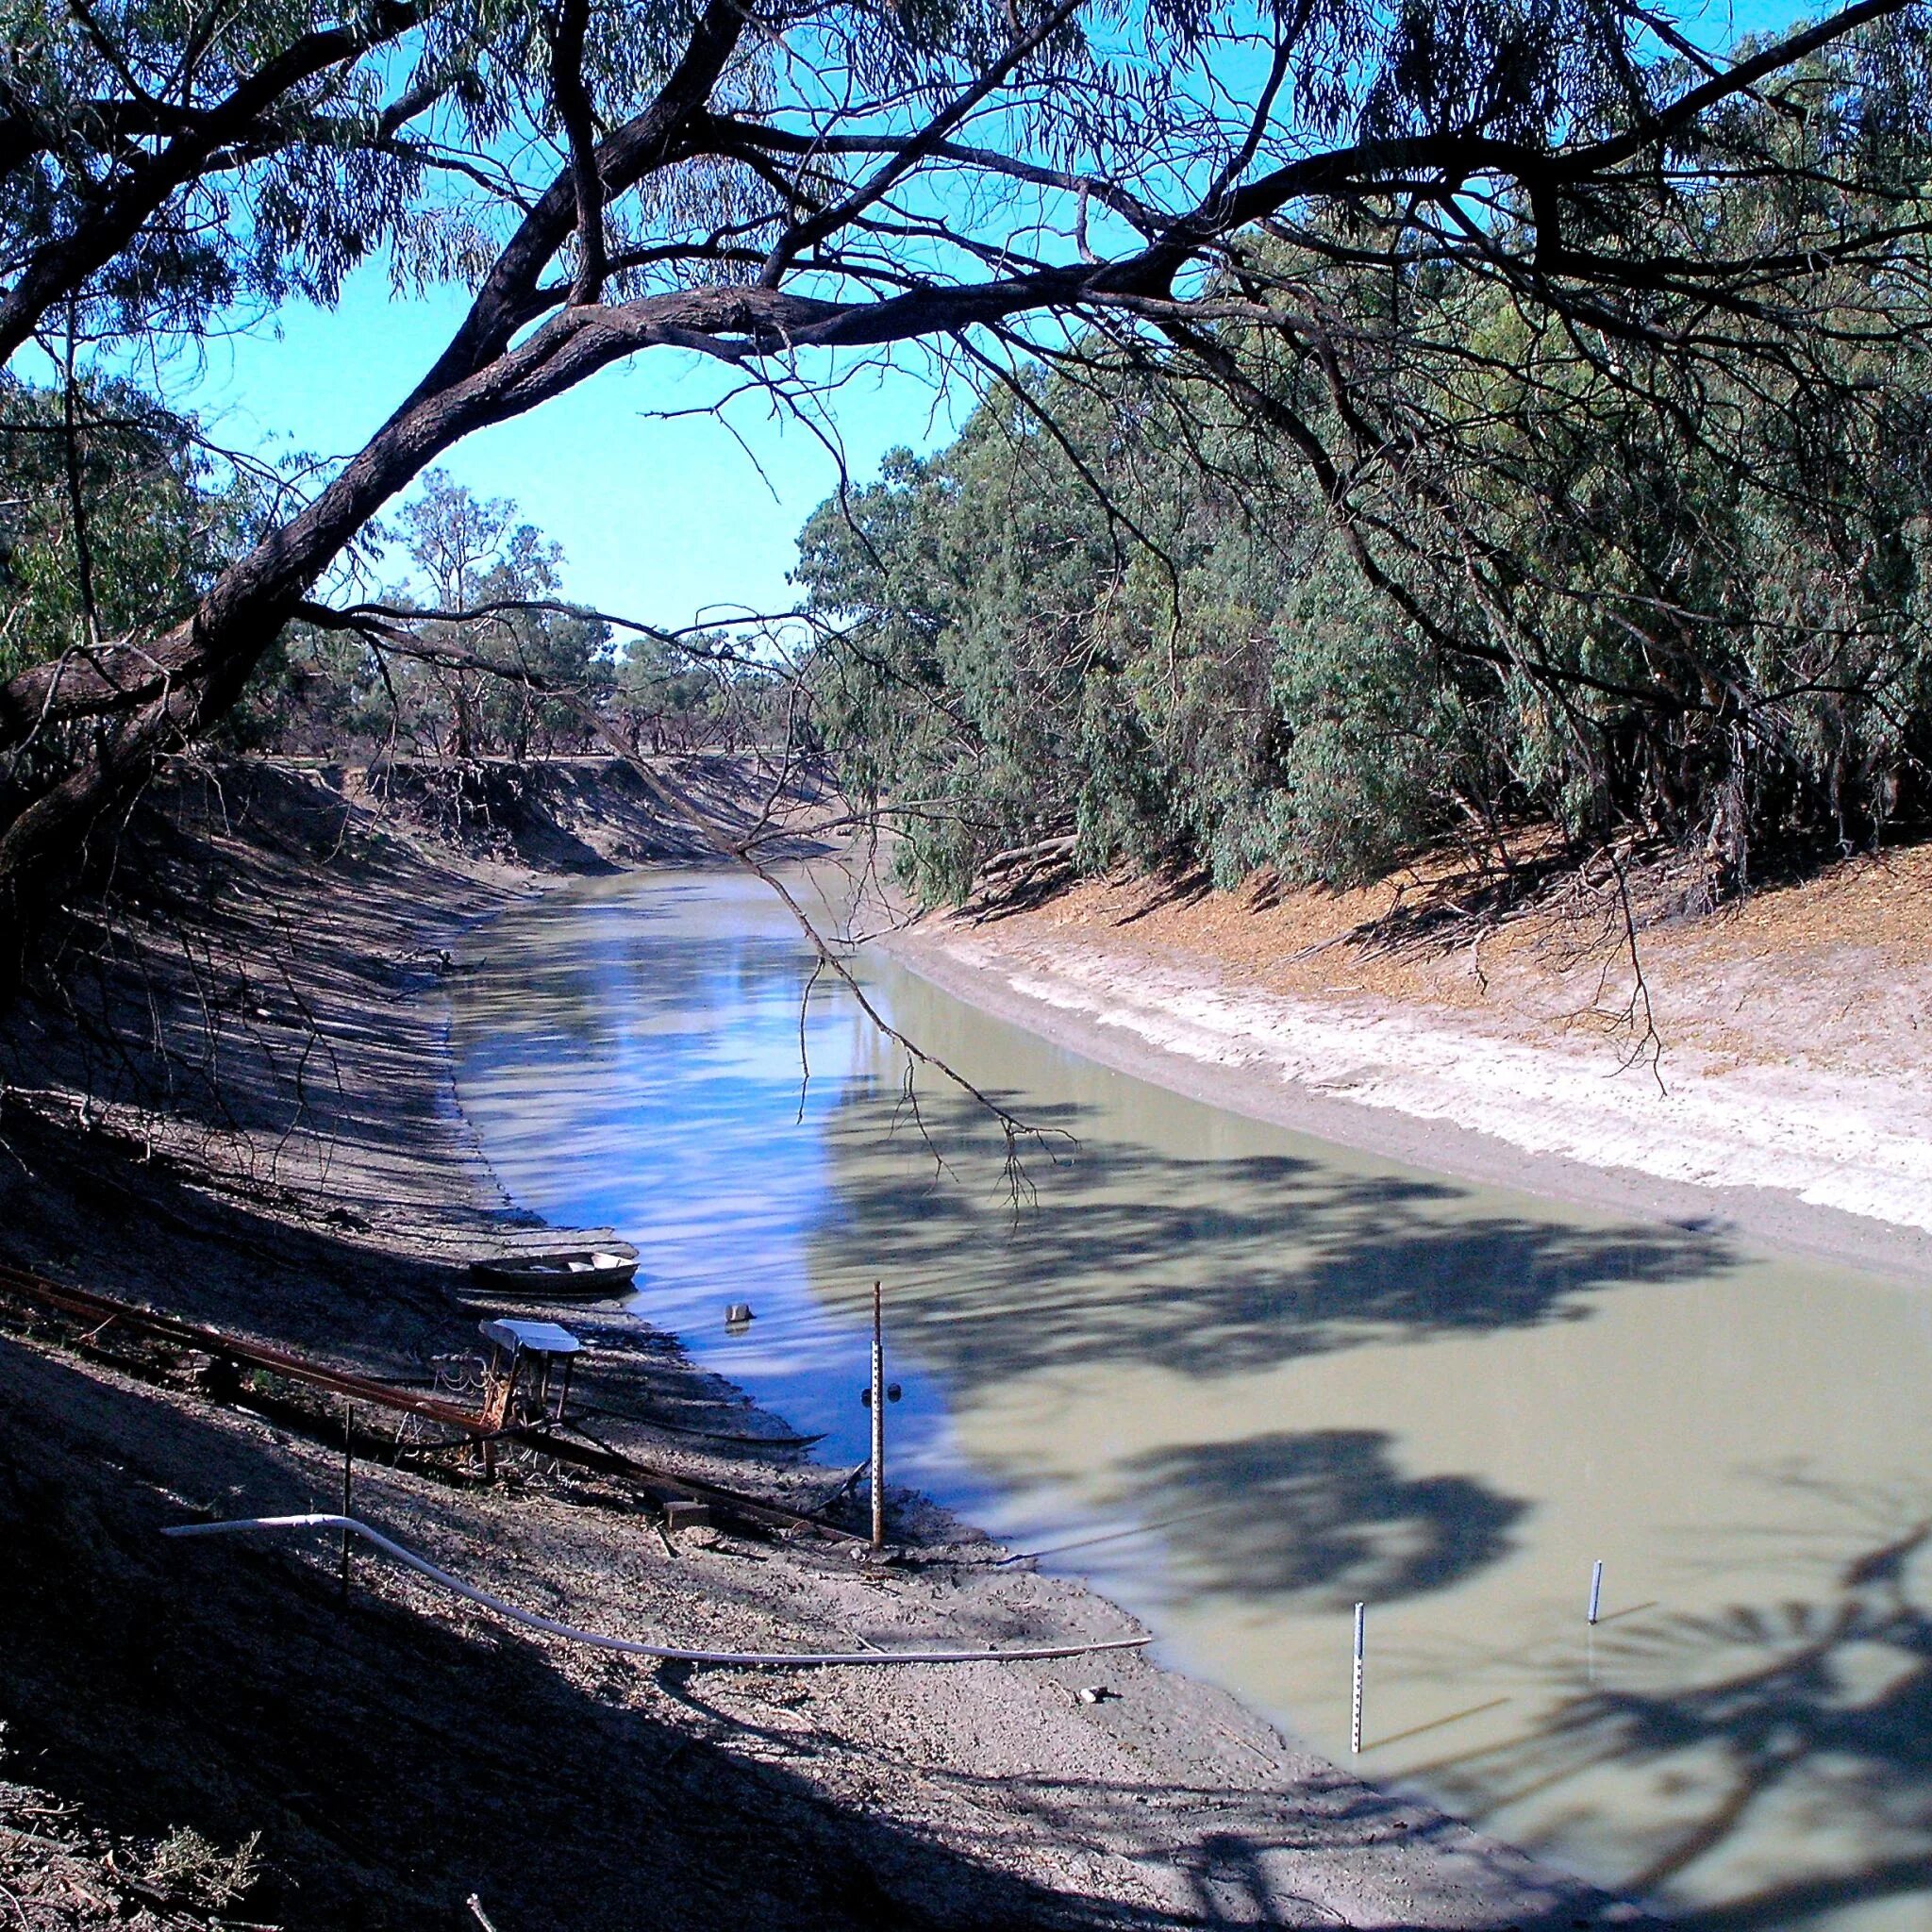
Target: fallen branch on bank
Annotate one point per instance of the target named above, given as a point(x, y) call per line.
point(105, 1309)
point(773, 1659)
point(1019, 879)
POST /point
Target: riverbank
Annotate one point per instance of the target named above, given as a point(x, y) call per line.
point(1787, 1101)
point(274, 1148)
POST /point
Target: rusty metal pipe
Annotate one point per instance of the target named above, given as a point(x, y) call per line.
point(85, 1302)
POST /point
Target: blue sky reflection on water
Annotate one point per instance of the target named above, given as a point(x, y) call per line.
point(683, 1120)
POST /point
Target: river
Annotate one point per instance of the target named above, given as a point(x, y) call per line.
point(1242, 1379)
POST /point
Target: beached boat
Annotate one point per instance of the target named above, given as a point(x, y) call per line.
point(574, 1273)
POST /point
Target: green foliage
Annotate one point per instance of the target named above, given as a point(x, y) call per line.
point(1375, 736)
point(473, 555)
point(1547, 572)
point(484, 657)
point(697, 693)
point(288, 211)
point(479, 654)
point(1128, 642)
point(1539, 469)
point(126, 485)
point(364, 155)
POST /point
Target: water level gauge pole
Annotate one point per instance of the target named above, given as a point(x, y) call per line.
point(348, 1491)
point(1355, 1725)
point(878, 1422)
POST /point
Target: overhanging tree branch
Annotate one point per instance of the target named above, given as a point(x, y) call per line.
point(890, 260)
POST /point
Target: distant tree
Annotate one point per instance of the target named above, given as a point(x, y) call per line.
point(679, 697)
point(478, 651)
point(474, 558)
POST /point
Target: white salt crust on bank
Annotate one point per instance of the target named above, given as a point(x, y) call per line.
point(1838, 1140)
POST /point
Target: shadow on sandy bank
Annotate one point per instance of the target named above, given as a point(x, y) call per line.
point(396, 1764)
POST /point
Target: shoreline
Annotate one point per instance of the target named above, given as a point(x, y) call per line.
point(1177, 1026)
point(985, 1795)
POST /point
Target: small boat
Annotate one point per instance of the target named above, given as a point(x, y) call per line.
point(571, 1272)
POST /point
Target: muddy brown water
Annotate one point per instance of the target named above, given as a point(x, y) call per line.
point(1242, 1379)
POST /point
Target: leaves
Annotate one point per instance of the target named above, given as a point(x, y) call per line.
point(1527, 571)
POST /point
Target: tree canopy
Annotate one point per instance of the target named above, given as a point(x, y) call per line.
point(1110, 609)
point(1352, 222)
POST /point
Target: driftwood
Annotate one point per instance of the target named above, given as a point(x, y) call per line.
point(1020, 878)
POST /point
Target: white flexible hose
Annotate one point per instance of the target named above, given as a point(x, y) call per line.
point(778, 1660)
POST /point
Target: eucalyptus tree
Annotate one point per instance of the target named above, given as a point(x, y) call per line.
point(160, 162)
point(1683, 599)
point(781, 184)
point(157, 522)
point(477, 556)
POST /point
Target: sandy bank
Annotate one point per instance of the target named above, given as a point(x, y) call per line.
point(278, 1154)
point(1791, 1101)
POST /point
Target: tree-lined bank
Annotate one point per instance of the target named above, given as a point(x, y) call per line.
point(1398, 205)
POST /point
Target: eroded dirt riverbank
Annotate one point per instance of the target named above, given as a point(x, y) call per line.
point(1784, 1098)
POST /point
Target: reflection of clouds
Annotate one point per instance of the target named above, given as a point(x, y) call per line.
point(697, 1048)
point(1324, 1516)
point(676, 1119)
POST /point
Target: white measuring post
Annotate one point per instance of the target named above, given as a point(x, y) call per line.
point(1354, 1725)
point(1596, 1590)
point(878, 1422)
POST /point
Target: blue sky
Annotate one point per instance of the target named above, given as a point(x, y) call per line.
point(663, 520)
point(658, 519)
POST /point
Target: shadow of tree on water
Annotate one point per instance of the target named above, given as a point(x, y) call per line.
point(1134, 1257)
point(1324, 1515)
point(1800, 1732)
point(1204, 1265)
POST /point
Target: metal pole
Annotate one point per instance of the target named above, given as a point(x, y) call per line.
point(1596, 1588)
point(878, 1421)
point(1354, 1727)
point(348, 1487)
